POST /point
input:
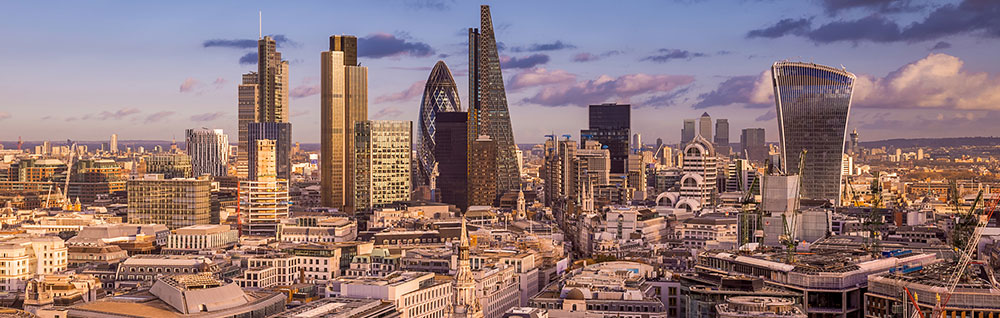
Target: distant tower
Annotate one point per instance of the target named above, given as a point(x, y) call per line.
point(813, 102)
point(688, 131)
point(522, 210)
point(705, 126)
point(636, 141)
point(854, 146)
point(209, 151)
point(114, 143)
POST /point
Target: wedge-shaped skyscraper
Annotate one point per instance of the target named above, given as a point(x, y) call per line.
point(813, 102)
point(440, 95)
point(488, 114)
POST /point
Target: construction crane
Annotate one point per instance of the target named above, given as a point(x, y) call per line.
point(788, 237)
point(69, 171)
point(965, 257)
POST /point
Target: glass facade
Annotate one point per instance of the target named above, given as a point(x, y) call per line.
point(609, 125)
point(488, 113)
point(440, 95)
point(813, 103)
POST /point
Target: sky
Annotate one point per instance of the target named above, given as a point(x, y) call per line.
point(148, 70)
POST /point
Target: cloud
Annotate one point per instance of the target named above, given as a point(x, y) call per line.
point(189, 85)
point(379, 45)
point(219, 82)
point(668, 99)
point(769, 115)
point(305, 91)
point(974, 17)
point(542, 47)
point(881, 6)
point(116, 115)
point(248, 59)
point(157, 117)
point(938, 81)
point(4, 115)
point(605, 87)
point(388, 112)
point(523, 62)
point(279, 39)
point(782, 28)
point(588, 57)
point(415, 89)
point(436, 5)
point(206, 116)
point(750, 90)
point(665, 55)
point(940, 46)
point(539, 77)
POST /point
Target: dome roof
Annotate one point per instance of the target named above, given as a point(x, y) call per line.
point(575, 294)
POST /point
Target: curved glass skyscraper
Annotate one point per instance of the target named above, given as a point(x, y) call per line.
point(440, 95)
point(813, 102)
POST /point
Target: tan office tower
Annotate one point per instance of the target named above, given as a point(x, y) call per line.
point(247, 104)
point(175, 203)
point(272, 80)
point(382, 162)
point(482, 171)
point(265, 160)
point(343, 102)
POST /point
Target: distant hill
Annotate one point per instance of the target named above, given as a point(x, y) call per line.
point(932, 142)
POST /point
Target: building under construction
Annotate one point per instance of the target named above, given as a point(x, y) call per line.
point(894, 294)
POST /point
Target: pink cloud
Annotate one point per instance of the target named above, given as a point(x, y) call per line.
point(388, 112)
point(415, 89)
point(606, 88)
point(189, 85)
point(539, 77)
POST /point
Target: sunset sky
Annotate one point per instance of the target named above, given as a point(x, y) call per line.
point(149, 70)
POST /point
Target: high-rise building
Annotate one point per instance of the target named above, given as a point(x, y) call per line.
point(114, 143)
point(209, 151)
point(813, 102)
point(752, 144)
point(705, 126)
point(170, 165)
point(721, 133)
point(854, 146)
point(609, 125)
point(175, 203)
point(482, 175)
point(700, 170)
point(451, 152)
point(263, 160)
point(636, 141)
point(382, 162)
point(440, 95)
point(688, 131)
point(281, 133)
point(273, 90)
point(263, 203)
point(488, 113)
point(247, 107)
point(343, 103)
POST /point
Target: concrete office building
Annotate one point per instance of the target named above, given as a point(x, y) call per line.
point(170, 165)
point(209, 151)
point(382, 162)
point(343, 102)
point(176, 203)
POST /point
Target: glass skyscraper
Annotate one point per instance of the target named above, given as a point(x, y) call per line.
point(609, 125)
point(440, 95)
point(813, 102)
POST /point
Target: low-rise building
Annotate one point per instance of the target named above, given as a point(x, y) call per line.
point(609, 289)
point(23, 257)
point(201, 237)
point(416, 294)
point(342, 307)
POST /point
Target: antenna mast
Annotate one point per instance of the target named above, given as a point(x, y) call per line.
point(260, 27)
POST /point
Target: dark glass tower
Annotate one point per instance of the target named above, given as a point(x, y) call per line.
point(752, 144)
point(440, 95)
point(281, 133)
point(450, 150)
point(813, 102)
point(609, 125)
point(488, 114)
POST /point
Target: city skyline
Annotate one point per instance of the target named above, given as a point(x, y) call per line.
point(196, 59)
